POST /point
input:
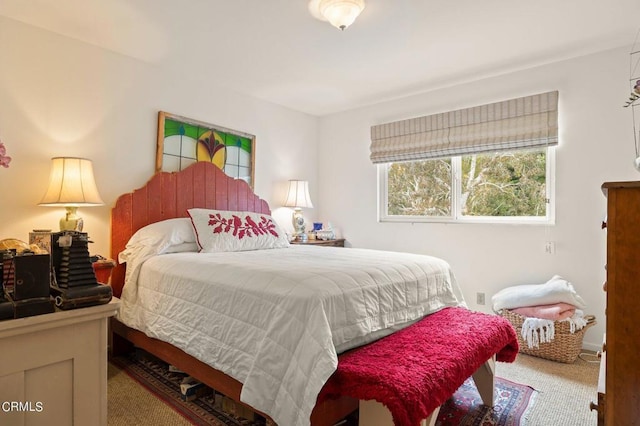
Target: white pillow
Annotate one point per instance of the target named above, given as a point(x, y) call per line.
point(160, 237)
point(222, 231)
point(556, 290)
point(183, 248)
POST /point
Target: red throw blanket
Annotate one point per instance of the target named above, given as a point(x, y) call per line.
point(415, 370)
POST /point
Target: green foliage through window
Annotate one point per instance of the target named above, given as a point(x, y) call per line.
point(500, 184)
point(508, 183)
point(420, 188)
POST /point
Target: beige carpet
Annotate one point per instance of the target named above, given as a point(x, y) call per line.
point(565, 391)
point(130, 404)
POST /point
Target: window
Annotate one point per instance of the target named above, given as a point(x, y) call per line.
point(491, 162)
point(504, 186)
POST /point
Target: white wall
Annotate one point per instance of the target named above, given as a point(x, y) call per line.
point(61, 97)
point(596, 145)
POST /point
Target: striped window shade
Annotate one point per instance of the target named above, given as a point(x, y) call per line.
point(527, 122)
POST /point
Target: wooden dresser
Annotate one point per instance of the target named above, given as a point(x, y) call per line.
point(619, 395)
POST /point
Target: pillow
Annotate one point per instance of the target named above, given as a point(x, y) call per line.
point(160, 237)
point(556, 290)
point(222, 231)
point(182, 248)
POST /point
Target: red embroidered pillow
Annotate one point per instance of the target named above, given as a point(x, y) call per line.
point(220, 230)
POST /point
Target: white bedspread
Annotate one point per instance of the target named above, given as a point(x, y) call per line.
point(272, 319)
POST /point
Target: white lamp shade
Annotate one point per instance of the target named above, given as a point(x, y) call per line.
point(298, 194)
point(71, 183)
point(339, 13)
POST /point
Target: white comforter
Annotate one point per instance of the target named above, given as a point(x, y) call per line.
point(275, 319)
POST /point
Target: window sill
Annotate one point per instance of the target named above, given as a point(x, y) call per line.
point(471, 220)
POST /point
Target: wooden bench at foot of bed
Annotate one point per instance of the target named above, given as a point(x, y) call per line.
point(415, 370)
point(373, 413)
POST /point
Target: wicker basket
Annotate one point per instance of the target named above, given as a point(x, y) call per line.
point(565, 347)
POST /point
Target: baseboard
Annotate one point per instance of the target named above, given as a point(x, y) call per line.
point(592, 346)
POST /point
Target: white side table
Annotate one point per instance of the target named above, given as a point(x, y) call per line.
point(53, 367)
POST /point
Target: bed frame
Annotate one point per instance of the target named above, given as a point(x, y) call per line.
point(166, 196)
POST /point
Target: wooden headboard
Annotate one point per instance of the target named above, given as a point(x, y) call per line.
point(169, 195)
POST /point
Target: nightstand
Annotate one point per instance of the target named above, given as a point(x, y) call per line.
point(55, 366)
point(325, 243)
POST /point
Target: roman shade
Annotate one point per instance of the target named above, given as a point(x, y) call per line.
point(527, 122)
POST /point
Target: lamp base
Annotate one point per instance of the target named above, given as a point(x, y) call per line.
point(71, 221)
point(299, 224)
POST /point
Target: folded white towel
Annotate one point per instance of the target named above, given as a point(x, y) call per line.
point(556, 290)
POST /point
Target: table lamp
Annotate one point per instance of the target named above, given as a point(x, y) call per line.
point(298, 198)
point(71, 184)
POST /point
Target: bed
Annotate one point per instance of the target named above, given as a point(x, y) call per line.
point(247, 353)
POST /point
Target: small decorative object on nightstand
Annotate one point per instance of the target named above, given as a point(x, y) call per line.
point(103, 267)
point(41, 238)
point(339, 242)
point(326, 234)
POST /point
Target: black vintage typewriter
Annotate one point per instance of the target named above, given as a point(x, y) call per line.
point(75, 284)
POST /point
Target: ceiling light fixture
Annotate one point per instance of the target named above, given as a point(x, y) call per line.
point(339, 13)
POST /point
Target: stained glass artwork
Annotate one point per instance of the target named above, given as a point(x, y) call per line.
point(183, 141)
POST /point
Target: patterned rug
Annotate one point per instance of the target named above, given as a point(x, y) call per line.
point(512, 402)
point(465, 408)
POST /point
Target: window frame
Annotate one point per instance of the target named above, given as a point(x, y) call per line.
point(456, 217)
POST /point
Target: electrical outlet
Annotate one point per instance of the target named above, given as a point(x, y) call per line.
point(480, 298)
point(550, 247)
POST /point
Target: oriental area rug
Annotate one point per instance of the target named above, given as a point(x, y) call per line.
point(204, 406)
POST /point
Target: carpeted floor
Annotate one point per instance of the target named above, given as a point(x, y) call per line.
point(129, 404)
point(565, 391)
